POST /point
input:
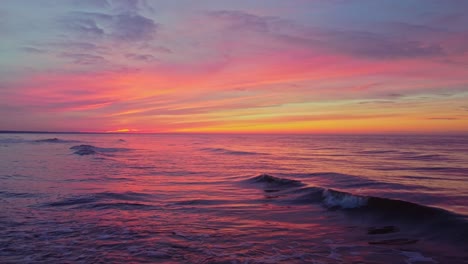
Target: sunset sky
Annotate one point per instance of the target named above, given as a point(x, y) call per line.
point(276, 66)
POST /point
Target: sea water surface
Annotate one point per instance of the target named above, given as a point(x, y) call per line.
point(162, 198)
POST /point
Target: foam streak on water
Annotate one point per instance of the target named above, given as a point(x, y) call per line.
point(81, 198)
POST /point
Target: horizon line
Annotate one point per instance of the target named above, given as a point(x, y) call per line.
point(402, 133)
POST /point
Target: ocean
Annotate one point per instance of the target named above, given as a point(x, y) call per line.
point(194, 198)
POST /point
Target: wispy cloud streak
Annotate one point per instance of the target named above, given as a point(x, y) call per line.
point(224, 66)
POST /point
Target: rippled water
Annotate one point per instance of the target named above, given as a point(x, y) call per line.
point(82, 198)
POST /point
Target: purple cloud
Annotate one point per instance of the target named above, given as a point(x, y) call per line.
point(77, 45)
point(129, 26)
point(126, 5)
point(133, 27)
point(155, 49)
point(242, 20)
point(84, 25)
point(83, 58)
point(99, 4)
point(366, 44)
point(378, 46)
point(131, 5)
point(140, 57)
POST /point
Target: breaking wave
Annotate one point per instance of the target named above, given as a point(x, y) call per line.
point(91, 150)
point(431, 221)
point(272, 181)
point(296, 191)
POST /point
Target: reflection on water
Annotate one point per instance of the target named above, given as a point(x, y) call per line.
point(237, 198)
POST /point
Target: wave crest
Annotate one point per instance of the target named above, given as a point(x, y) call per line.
point(336, 199)
point(298, 192)
point(91, 150)
point(275, 181)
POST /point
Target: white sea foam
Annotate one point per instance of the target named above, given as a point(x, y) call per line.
point(342, 200)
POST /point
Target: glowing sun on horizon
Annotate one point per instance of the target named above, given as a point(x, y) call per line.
point(123, 130)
